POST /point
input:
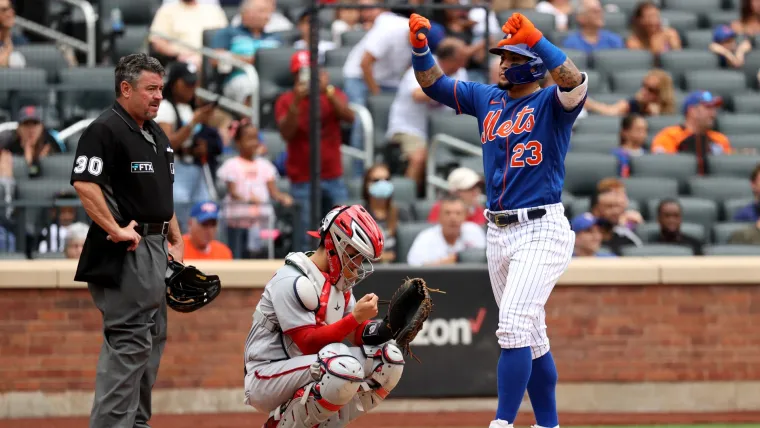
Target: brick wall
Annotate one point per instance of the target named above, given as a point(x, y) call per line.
point(50, 338)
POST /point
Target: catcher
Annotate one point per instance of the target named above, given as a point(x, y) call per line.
point(297, 367)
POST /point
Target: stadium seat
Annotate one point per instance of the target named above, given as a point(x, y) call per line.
point(45, 56)
point(739, 123)
point(746, 103)
point(616, 21)
point(461, 126)
point(542, 21)
point(473, 255)
point(273, 142)
point(750, 68)
point(657, 250)
point(680, 166)
point(597, 83)
point(288, 37)
point(580, 205)
point(719, 188)
point(698, 39)
point(404, 189)
point(658, 123)
point(593, 143)
point(722, 231)
point(354, 189)
point(475, 163)
point(20, 87)
point(379, 107)
point(86, 88)
point(744, 141)
point(695, 6)
point(57, 166)
point(584, 170)
point(405, 234)
point(20, 168)
point(609, 98)
point(732, 206)
point(133, 12)
point(649, 231)
point(719, 82)
point(615, 60)
point(627, 81)
point(337, 57)
point(646, 188)
point(579, 58)
point(134, 40)
point(421, 209)
point(335, 74)
point(627, 6)
point(681, 21)
point(694, 210)
point(273, 65)
point(732, 250)
point(598, 125)
point(733, 166)
point(677, 63)
point(350, 38)
point(715, 18)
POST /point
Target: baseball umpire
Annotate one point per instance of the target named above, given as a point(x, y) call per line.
point(123, 173)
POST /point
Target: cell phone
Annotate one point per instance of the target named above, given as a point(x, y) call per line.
point(304, 75)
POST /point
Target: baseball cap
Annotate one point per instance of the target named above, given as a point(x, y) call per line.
point(29, 114)
point(701, 97)
point(299, 60)
point(583, 222)
point(182, 70)
point(463, 179)
point(723, 33)
point(205, 211)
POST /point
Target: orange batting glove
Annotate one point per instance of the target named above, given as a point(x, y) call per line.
point(418, 25)
point(519, 29)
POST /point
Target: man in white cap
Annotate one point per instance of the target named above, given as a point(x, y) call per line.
point(465, 184)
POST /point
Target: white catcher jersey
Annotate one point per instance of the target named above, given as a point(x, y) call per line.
point(280, 311)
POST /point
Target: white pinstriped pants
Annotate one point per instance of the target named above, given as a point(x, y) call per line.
point(525, 260)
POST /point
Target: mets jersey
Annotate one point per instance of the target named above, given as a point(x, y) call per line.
point(524, 141)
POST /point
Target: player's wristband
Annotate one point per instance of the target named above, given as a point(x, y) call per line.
point(422, 59)
point(551, 55)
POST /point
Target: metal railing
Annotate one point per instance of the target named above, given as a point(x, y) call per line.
point(434, 181)
point(90, 18)
point(248, 69)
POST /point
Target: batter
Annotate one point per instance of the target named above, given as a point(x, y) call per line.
point(296, 366)
point(525, 134)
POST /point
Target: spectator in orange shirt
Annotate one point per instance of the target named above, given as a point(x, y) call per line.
point(200, 242)
point(464, 183)
point(695, 135)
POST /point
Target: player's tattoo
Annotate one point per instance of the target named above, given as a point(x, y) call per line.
point(567, 75)
point(428, 77)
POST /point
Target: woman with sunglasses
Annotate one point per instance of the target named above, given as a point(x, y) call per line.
point(378, 199)
point(655, 97)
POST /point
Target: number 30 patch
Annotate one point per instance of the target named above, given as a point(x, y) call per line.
point(94, 166)
point(533, 148)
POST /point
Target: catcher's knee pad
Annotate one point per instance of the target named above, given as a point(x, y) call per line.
point(387, 367)
point(340, 375)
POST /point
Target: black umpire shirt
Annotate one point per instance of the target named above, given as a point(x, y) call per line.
point(135, 168)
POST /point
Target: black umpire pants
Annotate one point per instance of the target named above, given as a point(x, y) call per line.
point(134, 335)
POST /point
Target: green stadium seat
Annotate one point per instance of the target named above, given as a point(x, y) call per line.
point(57, 166)
point(404, 189)
point(337, 57)
point(581, 205)
point(616, 21)
point(750, 68)
point(351, 38)
point(732, 250)
point(657, 250)
point(134, 40)
point(45, 56)
point(715, 18)
point(584, 170)
point(739, 123)
point(579, 58)
point(422, 208)
point(719, 82)
point(680, 62)
point(273, 66)
point(722, 231)
point(593, 143)
point(733, 165)
point(610, 98)
point(732, 206)
point(746, 103)
point(461, 126)
point(598, 125)
point(405, 235)
point(475, 163)
point(19, 87)
point(86, 88)
point(679, 166)
point(616, 60)
point(627, 6)
point(473, 255)
point(694, 210)
point(648, 232)
point(719, 188)
point(627, 81)
point(695, 6)
point(658, 123)
point(274, 143)
point(646, 188)
point(542, 21)
point(379, 107)
point(681, 21)
point(597, 83)
point(744, 141)
point(698, 39)
point(335, 74)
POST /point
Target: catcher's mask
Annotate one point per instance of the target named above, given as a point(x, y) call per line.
point(188, 289)
point(344, 227)
point(532, 71)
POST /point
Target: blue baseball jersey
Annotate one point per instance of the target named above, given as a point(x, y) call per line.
point(524, 140)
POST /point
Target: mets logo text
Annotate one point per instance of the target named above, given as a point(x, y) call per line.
point(141, 167)
point(524, 122)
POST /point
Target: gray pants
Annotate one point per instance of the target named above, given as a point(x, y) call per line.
point(134, 335)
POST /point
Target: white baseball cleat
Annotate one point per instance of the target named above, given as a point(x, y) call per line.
point(498, 423)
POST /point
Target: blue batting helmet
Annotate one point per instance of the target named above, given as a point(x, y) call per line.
point(531, 71)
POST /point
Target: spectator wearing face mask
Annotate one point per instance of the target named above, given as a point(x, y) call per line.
point(670, 218)
point(378, 199)
point(607, 208)
point(588, 237)
point(464, 183)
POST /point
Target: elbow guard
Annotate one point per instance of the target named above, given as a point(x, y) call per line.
point(376, 333)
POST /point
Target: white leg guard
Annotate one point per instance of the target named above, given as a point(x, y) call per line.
point(338, 375)
point(384, 366)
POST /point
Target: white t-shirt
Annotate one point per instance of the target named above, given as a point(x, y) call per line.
point(479, 30)
point(166, 114)
point(408, 116)
point(560, 19)
point(388, 42)
point(430, 245)
point(322, 47)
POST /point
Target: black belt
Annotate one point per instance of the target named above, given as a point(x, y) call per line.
point(145, 229)
point(504, 220)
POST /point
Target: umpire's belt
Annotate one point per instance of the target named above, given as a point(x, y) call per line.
point(504, 220)
point(260, 318)
point(145, 229)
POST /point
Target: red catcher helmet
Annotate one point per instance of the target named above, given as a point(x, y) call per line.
point(350, 226)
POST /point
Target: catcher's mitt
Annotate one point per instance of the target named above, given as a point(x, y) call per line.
point(408, 309)
point(188, 289)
